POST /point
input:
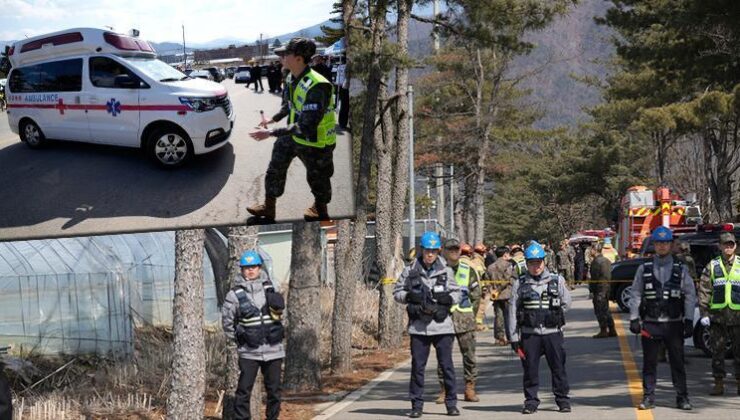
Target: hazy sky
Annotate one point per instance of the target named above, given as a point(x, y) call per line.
point(161, 20)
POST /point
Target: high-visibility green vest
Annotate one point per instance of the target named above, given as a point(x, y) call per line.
point(725, 286)
point(462, 278)
point(326, 131)
point(521, 267)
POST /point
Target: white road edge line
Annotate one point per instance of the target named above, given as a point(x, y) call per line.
point(359, 393)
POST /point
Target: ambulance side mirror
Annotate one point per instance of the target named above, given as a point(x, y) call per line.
point(126, 81)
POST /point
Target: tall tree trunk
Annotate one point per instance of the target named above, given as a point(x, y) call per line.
point(479, 203)
point(303, 356)
point(719, 176)
point(241, 238)
point(351, 234)
point(401, 171)
point(186, 399)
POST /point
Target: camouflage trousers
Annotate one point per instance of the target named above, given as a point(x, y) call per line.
point(718, 334)
point(319, 165)
point(500, 316)
point(601, 310)
point(466, 342)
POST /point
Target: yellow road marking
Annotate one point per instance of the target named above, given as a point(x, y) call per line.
point(634, 381)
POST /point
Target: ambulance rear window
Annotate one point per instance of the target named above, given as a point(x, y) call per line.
point(56, 76)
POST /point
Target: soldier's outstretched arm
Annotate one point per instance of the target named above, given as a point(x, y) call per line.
point(636, 297)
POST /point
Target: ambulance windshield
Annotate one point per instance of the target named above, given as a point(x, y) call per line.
point(155, 69)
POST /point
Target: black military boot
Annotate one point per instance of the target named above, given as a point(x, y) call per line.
point(647, 403)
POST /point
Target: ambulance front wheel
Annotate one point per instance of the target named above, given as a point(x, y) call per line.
point(31, 134)
point(169, 147)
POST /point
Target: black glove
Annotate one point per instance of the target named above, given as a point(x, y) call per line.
point(688, 328)
point(635, 327)
point(275, 301)
point(444, 299)
point(414, 297)
point(515, 345)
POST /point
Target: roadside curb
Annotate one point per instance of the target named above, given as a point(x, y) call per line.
point(355, 395)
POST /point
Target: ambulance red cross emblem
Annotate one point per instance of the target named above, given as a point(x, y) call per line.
point(60, 106)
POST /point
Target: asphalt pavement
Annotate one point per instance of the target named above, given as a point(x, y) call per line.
point(604, 377)
point(76, 189)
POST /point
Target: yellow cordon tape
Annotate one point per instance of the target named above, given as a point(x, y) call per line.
point(634, 381)
point(387, 280)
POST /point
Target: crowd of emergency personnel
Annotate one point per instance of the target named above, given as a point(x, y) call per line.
point(447, 287)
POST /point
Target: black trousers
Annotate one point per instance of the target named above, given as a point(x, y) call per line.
point(671, 335)
point(551, 345)
point(271, 373)
point(319, 165)
point(344, 107)
point(420, 346)
point(6, 398)
point(258, 80)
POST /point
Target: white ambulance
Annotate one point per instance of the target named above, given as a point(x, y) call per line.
point(97, 86)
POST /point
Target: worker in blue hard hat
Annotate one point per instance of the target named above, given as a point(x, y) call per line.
point(428, 288)
point(539, 299)
point(252, 317)
point(662, 312)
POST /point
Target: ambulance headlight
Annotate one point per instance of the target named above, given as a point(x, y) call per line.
point(199, 104)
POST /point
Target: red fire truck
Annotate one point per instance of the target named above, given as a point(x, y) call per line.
point(643, 209)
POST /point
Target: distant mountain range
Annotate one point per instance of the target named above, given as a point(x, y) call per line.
point(174, 47)
point(573, 46)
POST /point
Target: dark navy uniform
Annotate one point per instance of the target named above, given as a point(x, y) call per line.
point(663, 298)
point(536, 319)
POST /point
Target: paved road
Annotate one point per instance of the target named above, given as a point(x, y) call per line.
point(598, 378)
point(71, 189)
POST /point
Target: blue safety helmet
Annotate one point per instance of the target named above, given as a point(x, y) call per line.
point(250, 258)
point(535, 251)
point(662, 234)
point(607, 241)
point(430, 240)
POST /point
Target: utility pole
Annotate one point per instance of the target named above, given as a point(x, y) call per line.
point(439, 168)
point(452, 200)
point(184, 53)
point(412, 192)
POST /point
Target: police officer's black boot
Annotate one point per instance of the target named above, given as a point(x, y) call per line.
point(683, 403)
point(415, 413)
point(453, 411)
point(316, 212)
point(647, 403)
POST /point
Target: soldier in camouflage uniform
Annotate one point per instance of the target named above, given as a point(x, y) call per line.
point(310, 135)
point(682, 252)
point(719, 306)
point(601, 274)
point(463, 318)
point(502, 274)
point(565, 263)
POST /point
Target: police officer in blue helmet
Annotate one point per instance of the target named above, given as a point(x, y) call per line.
point(662, 311)
point(252, 317)
point(428, 289)
point(539, 299)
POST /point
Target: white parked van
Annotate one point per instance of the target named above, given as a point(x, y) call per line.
point(97, 86)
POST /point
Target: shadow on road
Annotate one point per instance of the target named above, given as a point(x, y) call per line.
point(79, 181)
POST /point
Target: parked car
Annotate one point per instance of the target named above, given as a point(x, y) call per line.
point(242, 74)
point(215, 73)
point(201, 74)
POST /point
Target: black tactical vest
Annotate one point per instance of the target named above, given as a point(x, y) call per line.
point(535, 310)
point(662, 300)
point(254, 325)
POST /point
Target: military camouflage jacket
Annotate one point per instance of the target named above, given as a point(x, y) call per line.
point(724, 316)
